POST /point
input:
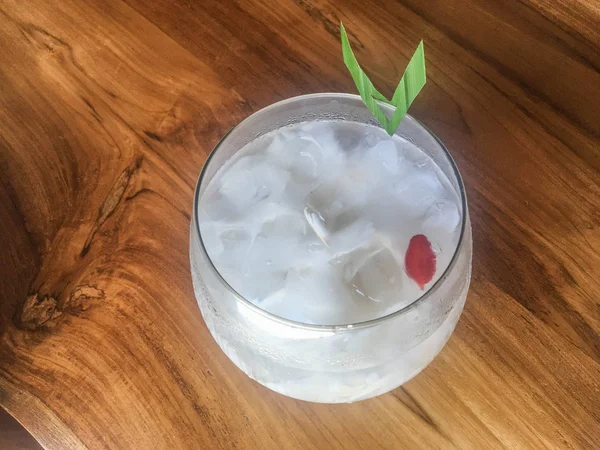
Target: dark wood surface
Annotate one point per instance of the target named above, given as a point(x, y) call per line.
point(13, 436)
point(107, 113)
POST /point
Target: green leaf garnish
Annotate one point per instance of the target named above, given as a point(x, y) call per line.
point(409, 87)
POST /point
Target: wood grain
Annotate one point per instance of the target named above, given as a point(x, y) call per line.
point(13, 436)
point(107, 113)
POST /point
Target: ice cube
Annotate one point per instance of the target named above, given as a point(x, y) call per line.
point(264, 268)
point(348, 137)
point(373, 273)
point(333, 158)
point(209, 232)
point(379, 278)
point(349, 263)
point(265, 211)
point(237, 184)
point(441, 217)
point(235, 242)
point(270, 182)
point(337, 203)
point(301, 156)
point(356, 234)
point(214, 207)
point(276, 243)
point(260, 284)
point(226, 245)
point(311, 254)
point(417, 191)
point(249, 181)
point(310, 156)
point(271, 253)
point(318, 298)
point(383, 157)
point(259, 255)
point(285, 225)
point(310, 152)
point(371, 139)
point(235, 239)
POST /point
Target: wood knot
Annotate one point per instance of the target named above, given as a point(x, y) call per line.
point(44, 311)
point(80, 295)
point(36, 312)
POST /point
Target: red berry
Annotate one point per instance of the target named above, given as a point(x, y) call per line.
point(420, 260)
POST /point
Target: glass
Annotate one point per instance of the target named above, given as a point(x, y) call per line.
point(337, 363)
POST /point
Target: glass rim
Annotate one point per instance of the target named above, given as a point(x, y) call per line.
point(336, 327)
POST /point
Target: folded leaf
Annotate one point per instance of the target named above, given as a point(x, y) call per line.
point(409, 87)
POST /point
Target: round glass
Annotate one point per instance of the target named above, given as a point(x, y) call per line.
point(339, 362)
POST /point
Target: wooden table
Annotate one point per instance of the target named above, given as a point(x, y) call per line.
point(107, 113)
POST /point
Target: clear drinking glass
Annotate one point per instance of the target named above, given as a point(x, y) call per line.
point(337, 363)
